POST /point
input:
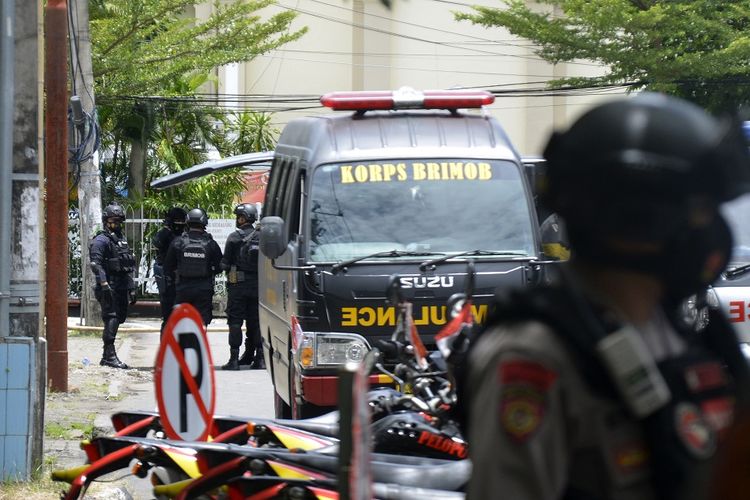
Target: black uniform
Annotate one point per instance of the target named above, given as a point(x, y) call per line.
point(194, 259)
point(112, 262)
point(241, 264)
point(161, 241)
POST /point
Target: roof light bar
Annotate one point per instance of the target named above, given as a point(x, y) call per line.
point(406, 98)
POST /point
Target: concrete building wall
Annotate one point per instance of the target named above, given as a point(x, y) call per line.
point(22, 350)
point(361, 45)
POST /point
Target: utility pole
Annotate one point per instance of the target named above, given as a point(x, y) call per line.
point(56, 156)
point(89, 184)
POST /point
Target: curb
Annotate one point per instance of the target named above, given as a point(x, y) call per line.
point(136, 329)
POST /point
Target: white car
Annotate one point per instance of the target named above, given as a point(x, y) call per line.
point(731, 292)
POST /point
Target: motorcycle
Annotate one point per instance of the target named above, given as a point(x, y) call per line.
point(413, 418)
point(221, 464)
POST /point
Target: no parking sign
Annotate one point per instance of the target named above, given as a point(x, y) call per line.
point(184, 377)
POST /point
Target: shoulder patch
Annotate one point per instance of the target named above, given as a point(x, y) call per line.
point(523, 399)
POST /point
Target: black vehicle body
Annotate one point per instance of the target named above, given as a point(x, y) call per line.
point(357, 197)
point(309, 293)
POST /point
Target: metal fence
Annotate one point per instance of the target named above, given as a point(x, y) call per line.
point(139, 227)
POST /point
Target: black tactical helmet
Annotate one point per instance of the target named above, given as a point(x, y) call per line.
point(113, 210)
point(196, 216)
point(631, 167)
point(175, 215)
point(247, 210)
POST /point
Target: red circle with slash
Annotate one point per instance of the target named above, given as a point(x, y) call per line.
point(184, 377)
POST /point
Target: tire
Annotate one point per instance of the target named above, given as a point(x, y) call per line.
point(280, 408)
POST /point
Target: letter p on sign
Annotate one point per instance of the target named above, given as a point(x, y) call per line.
point(184, 377)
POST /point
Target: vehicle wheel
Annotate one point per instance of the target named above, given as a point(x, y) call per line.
point(308, 410)
point(280, 408)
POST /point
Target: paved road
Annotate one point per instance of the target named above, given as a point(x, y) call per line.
point(242, 393)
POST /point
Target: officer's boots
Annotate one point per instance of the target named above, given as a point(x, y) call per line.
point(109, 358)
point(248, 356)
point(109, 355)
point(233, 363)
point(258, 362)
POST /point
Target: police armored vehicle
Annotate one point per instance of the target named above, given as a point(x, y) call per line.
point(401, 183)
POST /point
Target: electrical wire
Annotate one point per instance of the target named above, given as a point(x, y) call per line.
point(88, 141)
point(302, 102)
point(390, 67)
point(401, 35)
point(455, 45)
point(422, 26)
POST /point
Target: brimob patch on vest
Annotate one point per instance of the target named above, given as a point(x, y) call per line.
point(719, 413)
point(705, 376)
point(523, 397)
point(695, 433)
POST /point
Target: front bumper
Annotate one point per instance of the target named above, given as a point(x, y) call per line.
point(323, 390)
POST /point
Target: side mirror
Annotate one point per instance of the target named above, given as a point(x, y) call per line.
point(272, 236)
point(554, 239)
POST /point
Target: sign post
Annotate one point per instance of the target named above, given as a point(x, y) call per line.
point(184, 377)
point(354, 475)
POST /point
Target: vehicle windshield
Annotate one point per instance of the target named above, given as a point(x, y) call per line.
point(446, 205)
point(737, 213)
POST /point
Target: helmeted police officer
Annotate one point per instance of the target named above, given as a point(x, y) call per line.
point(240, 261)
point(590, 387)
point(173, 226)
point(194, 260)
point(112, 263)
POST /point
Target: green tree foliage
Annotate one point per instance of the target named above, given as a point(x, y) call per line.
point(248, 132)
point(150, 60)
point(140, 47)
point(238, 133)
point(696, 49)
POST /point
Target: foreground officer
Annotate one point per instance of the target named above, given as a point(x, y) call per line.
point(590, 387)
point(194, 259)
point(240, 261)
point(174, 226)
point(112, 263)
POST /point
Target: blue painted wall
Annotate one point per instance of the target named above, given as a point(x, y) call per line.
point(17, 372)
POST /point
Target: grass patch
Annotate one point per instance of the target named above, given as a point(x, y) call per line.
point(93, 387)
point(71, 430)
point(39, 487)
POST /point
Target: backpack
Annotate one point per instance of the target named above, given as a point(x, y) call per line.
point(247, 255)
point(195, 256)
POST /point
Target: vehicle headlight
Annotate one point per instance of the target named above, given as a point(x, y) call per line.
point(324, 349)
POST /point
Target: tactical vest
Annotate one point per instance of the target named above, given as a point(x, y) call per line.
point(247, 253)
point(707, 382)
point(194, 258)
point(122, 260)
